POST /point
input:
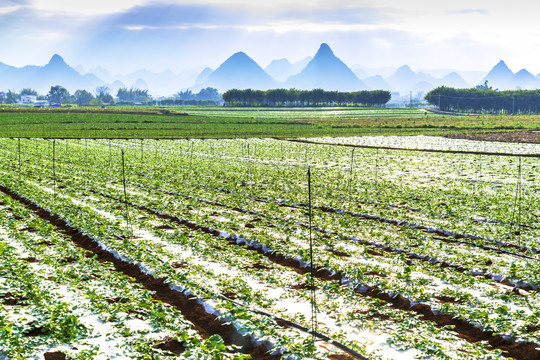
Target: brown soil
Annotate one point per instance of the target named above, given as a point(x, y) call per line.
point(512, 136)
point(10, 299)
point(448, 299)
point(171, 345)
point(341, 357)
point(338, 253)
point(57, 355)
point(258, 266)
point(36, 331)
point(303, 286)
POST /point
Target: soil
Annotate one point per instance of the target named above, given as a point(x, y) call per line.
point(57, 355)
point(171, 345)
point(512, 136)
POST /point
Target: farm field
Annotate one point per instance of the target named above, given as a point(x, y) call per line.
point(133, 249)
point(224, 122)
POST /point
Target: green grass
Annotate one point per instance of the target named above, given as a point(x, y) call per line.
point(216, 122)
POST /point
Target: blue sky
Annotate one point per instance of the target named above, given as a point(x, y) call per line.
point(126, 35)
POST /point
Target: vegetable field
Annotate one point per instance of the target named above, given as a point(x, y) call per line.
point(269, 249)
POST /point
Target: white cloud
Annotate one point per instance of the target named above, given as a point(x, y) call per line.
point(93, 7)
point(9, 9)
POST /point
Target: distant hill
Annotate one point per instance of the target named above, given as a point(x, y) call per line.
point(280, 69)
point(4, 67)
point(203, 76)
point(499, 76)
point(328, 72)
point(404, 79)
point(41, 78)
point(454, 80)
point(239, 72)
point(523, 80)
point(377, 83)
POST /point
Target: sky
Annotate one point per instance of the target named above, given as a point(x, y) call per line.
point(126, 35)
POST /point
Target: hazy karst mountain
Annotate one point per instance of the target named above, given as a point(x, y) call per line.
point(523, 80)
point(499, 76)
point(140, 84)
point(14, 78)
point(328, 72)
point(280, 69)
point(301, 64)
point(404, 79)
point(165, 82)
point(114, 86)
point(377, 83)
point(203, 76)
point(362, 74)
point(57, 72)
point(102, 73)
point(4, 67)
point(454, 80)
point(239, 72)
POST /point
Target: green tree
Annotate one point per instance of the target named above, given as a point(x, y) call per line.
point(82, 97)
point(58, 95)
point(103, 96)
point(12, 97)
point(28, 91)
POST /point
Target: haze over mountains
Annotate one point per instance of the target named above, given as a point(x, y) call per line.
point(325, 70)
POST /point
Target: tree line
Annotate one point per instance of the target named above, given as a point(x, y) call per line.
point(484, 99)
point(316, 97)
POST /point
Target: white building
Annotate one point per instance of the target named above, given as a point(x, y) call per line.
point(28, 99)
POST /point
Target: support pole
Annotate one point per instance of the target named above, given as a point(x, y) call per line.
point(125, 191)
point(54, 163)
point(312, 266)
point(19, 155)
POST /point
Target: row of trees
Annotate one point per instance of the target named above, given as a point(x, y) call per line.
point(60, 95)
point(483, 99)
point(316, 97)
point(204, 94)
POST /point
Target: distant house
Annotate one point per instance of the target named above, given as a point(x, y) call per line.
point(28, 99)
point(41, 103)
point(55, 105)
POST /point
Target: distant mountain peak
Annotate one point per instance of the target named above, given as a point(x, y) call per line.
point(326, 71)
point(57, 60)
point(404, 69)
point(241, 72)
point(501, 66)
point(324, 50)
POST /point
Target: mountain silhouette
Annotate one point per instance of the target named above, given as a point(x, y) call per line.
point(377, 82)
point(454, 80)
point(41, 78)
point(326, 71)
point(239, 72)
point(523, 80)
point(499, 76)
point(203, 76)
point(280, 69)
